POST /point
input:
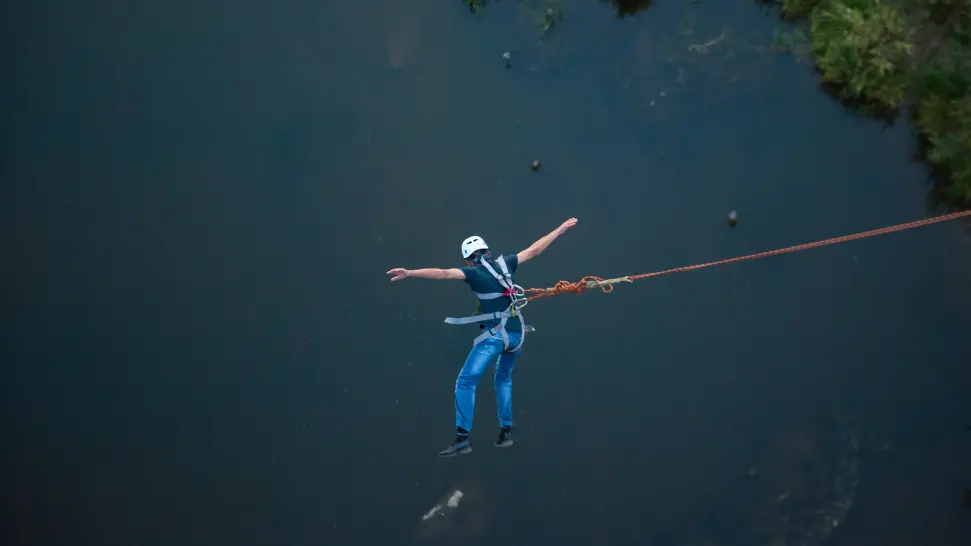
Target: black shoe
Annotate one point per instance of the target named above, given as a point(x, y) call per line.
point(505, 437)
point(460, 446)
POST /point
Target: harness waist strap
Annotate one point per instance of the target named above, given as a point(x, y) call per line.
point(498, 315)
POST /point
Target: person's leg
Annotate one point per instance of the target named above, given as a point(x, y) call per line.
point(503, 383)
point(480, 357)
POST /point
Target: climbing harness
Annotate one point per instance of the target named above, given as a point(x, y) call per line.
point(607, 285)
point(517, 297)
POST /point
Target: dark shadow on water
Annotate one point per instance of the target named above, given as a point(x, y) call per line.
point(775, 6)
point(858, 106)
point(629, 7)
point(768, 4)
point(771, 6)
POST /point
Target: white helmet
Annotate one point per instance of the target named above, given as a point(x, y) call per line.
point(473, 243)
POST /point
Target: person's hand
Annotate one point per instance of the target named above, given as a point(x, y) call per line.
point(568, 224)
point(399, 273)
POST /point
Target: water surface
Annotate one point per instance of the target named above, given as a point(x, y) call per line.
point(201, 200)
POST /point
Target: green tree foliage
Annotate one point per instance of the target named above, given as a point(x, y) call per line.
point(884, 54)
point(865, 47)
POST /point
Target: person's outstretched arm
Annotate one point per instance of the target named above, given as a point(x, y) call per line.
point(400, 273)
point(539, 246)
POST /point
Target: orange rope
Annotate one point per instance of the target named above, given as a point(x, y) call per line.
point(607, 285)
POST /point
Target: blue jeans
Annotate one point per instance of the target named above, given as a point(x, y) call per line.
point(481, 357)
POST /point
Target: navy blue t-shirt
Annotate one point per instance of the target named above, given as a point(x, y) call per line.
point(482, 282)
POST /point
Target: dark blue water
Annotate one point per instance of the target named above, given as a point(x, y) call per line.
point(200, 346)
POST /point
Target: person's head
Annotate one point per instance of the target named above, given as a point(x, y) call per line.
point(473, 249)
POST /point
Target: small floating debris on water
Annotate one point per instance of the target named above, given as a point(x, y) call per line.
point(451, 502)
point(732, 218)
point(703, 48)
point(752, 472)
point(535, 165)
point(549, 17)
point(446, 520)
point(506, 56)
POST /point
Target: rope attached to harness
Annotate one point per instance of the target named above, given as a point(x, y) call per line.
point(607, 285)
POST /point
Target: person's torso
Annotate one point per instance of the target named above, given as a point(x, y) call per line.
point(482, 282)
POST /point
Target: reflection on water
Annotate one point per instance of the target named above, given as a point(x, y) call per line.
point(807, 488)
point(798, 494)
point(402, 41)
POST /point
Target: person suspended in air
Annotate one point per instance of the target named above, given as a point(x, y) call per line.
point(502, 324)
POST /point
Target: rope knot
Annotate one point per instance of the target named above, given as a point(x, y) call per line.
point(566, 287)
point(563, 287)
